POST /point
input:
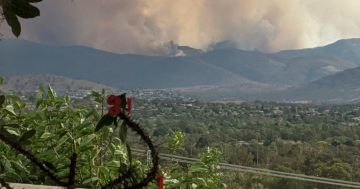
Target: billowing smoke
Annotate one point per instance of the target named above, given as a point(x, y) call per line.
point(152, 26)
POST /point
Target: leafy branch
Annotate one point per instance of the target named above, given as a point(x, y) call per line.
point(38, 163)
point(127, 178)
point(12, 9)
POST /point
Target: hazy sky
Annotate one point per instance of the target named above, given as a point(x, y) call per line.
point(147, 26)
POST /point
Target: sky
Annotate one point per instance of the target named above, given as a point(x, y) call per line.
point(152, 26)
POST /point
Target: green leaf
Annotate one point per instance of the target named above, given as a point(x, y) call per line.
point(2, 100)
point(99, 98)
point(123, 132)
point(51, 92)
point(63, 173)
point(85, 148)
point(197, 168)
point(20, 105)
point(11, 19)
point(202, 180)
point(19, 166)
point(90, 180)
point(1, 80)
point(61, 142)
point(113, 163)
point(104, 121)
point(45, 135)
point(41, 90)
point(8, 167)
point(86, 143)
point(12, 132)
point(26, 136)
point(10, 109)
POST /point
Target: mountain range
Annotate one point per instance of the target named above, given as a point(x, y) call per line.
point(315, 74)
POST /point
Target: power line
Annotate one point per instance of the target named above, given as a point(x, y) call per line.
point(267, 172)
point(255, 169)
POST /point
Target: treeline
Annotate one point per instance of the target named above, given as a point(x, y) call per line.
point(313, 140)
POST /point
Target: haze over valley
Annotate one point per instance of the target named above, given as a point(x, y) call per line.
point(322, 74)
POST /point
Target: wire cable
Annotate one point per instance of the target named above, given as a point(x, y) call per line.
point(267, 172)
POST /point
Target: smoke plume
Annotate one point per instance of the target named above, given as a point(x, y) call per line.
point(151, 26)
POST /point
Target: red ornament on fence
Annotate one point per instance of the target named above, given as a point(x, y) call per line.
point(116, 108)
point(160, 182)
point(114, 111)
point(114, 100)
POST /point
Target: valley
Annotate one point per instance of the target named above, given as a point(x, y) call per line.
point(309, 75)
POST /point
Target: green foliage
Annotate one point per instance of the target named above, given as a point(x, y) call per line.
point(98, 97)
point(53, 130)
point(203, 174)
point(176, 141)
point(56, 127)
point(338, 170)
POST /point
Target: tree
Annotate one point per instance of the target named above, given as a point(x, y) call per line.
point(338, 170)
